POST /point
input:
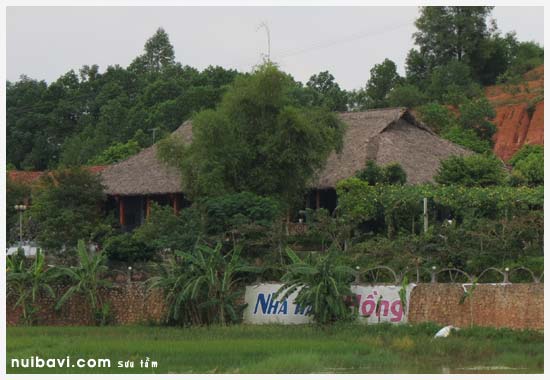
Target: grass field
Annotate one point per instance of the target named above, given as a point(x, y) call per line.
point(282, 349)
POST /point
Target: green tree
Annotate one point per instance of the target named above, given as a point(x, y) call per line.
point(256, 140)
point(383, 78)
point(327, 93)
point(115, 153)
point(322, 284)
point(475, 115)
point(417, 69)
point(452, 83)
point(75, 118)
point(158, 55)
point(67, 207)
point(452, 33)
point(87, 279)
point(474, 170)
point(406, 95)
point(523, 56)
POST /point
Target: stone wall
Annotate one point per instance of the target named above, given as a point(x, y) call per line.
point(130, 303)
point(517, 306)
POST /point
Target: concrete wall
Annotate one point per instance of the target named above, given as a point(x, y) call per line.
point(517, 306)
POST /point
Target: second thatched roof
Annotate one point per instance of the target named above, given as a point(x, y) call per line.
point(383, 135)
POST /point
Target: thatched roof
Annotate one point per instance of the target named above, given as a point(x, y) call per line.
point(144, 173)
point(384, 135)
point(30, 177)
point(387, 135)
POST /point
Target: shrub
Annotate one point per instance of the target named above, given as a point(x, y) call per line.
point(234, 211)
point(532, 170)
point(474, 170)
point(437, 117)
point(467, 138)
point(475, 114)
point(374, 174)
point(526, 151)
point(166, 230)
point(394, 174)
point(528, 166)
point(126, 247)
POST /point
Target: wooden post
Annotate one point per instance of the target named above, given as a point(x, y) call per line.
point(175, 203)
point(425, 215)
point(147, 207)
point(121, 218)
point(317, 199)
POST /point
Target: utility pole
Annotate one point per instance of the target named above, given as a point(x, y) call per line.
point(266, 27)
point(154, 133)
point(20, 209)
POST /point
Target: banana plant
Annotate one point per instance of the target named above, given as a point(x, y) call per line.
point(206, 279)
point(27, 283)
point(322, 284)
point(86, 279)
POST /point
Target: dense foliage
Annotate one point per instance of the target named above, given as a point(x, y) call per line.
point(67, 207)
point(373, 174)
point(258, 140)
point(469, 228)
point(27, 282)
point(93, 116)
point(471, 128)
point(17, 193)
point(201, 286)
point(474, 170)
point(528, 166)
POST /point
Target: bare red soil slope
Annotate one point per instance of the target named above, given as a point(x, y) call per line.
point(519, 113)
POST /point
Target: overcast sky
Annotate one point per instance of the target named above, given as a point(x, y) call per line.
point(44, 43)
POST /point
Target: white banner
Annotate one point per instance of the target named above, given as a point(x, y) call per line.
point(379, 303)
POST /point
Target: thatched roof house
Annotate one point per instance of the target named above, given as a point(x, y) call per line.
point(387, 135)
point(384, 135)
